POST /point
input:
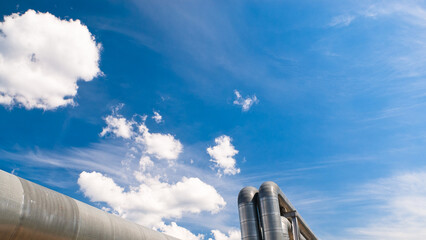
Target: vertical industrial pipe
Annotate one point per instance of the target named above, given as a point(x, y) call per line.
point(249, 219)
point(278, 218)
point(270, 212)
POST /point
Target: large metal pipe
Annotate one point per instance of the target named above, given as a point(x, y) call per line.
point(274, 204)
point(286, 225)
point(270, 213)
point(249, 219)
point(31, 212)
point(267, 214)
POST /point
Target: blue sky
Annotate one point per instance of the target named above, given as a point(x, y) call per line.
point(336, 116)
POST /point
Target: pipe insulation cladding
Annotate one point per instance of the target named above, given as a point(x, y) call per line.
point(29, 211)
point(267, 214)
point(247, 207)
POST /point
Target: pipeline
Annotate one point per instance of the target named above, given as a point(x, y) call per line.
point(29, 211)
point(267, 214)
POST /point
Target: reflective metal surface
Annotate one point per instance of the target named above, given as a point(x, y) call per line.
point(270, 212)
point(247, 202)
point(286, 226)
point(31, 212)
point(278, 219)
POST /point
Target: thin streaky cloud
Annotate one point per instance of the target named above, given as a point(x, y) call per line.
point(342, 21)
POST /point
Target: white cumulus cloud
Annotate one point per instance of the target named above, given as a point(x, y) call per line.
point(245, 103)
point(157, 117)
point(178, 232)
point(223, 155)
point(152, 200)
point(233, 234)
point(155, 197)
point(158, 145)
point(41, 59)
point(119, 126)
point(145, 162)
point(161, 146)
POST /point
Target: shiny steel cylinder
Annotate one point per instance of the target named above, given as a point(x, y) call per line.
point(278, 218)
point(286, 225)
point(247, 208)
point(270, 213)
point(31, 212)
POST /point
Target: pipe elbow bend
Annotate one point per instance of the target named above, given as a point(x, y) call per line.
point(247, 195)
point(269, 189)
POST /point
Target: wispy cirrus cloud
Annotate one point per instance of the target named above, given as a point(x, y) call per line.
point(105, 157)
point(396, 208)
point(341, 21)
point(391, 207)
point(412, 12)
point(396, 58)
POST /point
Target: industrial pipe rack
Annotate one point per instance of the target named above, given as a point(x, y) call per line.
point(31, 212)
point(267, 214)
